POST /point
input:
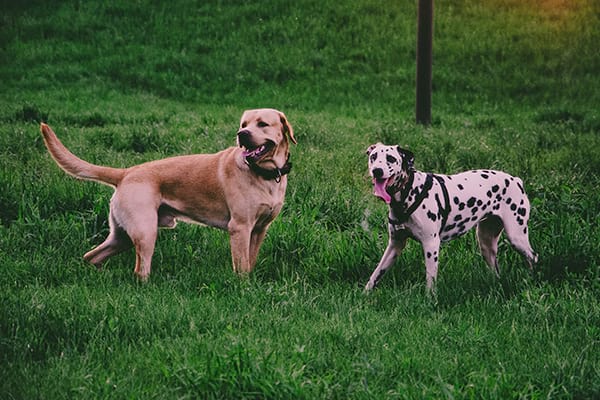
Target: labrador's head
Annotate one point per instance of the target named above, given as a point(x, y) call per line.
point(265, 135)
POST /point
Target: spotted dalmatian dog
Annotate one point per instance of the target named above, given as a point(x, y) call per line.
point(432, 209)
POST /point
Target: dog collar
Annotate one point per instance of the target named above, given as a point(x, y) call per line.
point(270, 174)
point(402, 212)
point(400, 209)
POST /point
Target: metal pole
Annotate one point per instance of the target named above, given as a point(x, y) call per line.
point(424, 57)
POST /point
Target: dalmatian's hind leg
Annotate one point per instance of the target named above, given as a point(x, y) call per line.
point(488, 233)
point(519, 238)
point(431, 250)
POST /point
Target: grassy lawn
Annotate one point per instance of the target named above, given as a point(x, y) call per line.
point(515, 88)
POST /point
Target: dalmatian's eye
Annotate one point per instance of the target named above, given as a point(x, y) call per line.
point(373, 157)
point(391, 159)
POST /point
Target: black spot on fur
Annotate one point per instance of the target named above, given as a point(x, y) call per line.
point(479, 202)
point(460, 187)
point(508, 201)
point(461, 206)
point(431, 216)
point(489, 193)
point(484, 176)
point(522, 211)
point(506, 182)
point(471, 202)
point(474, 210)
point(513, 207)
point(456, 200)
point(495, 188)
point(458, 217)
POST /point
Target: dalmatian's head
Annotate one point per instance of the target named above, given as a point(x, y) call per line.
point(388, 165)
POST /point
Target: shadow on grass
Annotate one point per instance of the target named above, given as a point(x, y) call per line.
point(565, 266)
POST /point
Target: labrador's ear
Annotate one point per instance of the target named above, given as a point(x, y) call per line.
point(408, 158)
point(287, 128)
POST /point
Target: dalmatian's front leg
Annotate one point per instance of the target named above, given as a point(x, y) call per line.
point(387, 260)
point(431, 249)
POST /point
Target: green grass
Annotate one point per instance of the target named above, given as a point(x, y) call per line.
point(515, 88)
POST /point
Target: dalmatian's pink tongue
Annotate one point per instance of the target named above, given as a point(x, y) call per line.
point(379, 186)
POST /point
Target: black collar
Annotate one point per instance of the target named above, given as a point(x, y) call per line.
point(270, 174)
point(403, 211)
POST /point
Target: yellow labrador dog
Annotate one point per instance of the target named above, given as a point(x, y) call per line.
point(240, 189)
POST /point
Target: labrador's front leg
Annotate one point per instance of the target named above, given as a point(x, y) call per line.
point(239, 238)
point(256, 239)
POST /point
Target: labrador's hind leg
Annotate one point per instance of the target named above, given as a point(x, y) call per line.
point(135, 209)
point(116, 242)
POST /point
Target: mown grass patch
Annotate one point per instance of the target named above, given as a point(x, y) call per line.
point(515, 89)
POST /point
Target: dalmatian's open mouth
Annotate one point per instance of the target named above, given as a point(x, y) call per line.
point(256, 153)
point(380, 188)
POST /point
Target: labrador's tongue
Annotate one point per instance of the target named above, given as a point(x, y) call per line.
point(379, 186)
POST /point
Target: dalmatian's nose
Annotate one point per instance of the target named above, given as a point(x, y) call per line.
point(377, 173)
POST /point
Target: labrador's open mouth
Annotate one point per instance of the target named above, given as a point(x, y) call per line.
point(256, 153)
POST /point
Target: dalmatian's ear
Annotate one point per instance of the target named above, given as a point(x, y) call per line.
point(408, 158)
point(370, 149)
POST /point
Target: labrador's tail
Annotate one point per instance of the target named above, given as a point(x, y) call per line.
point(77, 167)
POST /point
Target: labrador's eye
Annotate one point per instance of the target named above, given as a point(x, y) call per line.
point(244, 124)
point(391, 159)
point(262, 124)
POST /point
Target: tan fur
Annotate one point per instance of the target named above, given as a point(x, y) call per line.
point(218, 190)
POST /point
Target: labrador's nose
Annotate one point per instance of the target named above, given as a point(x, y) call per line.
point(244, 136)
point(243, 133)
